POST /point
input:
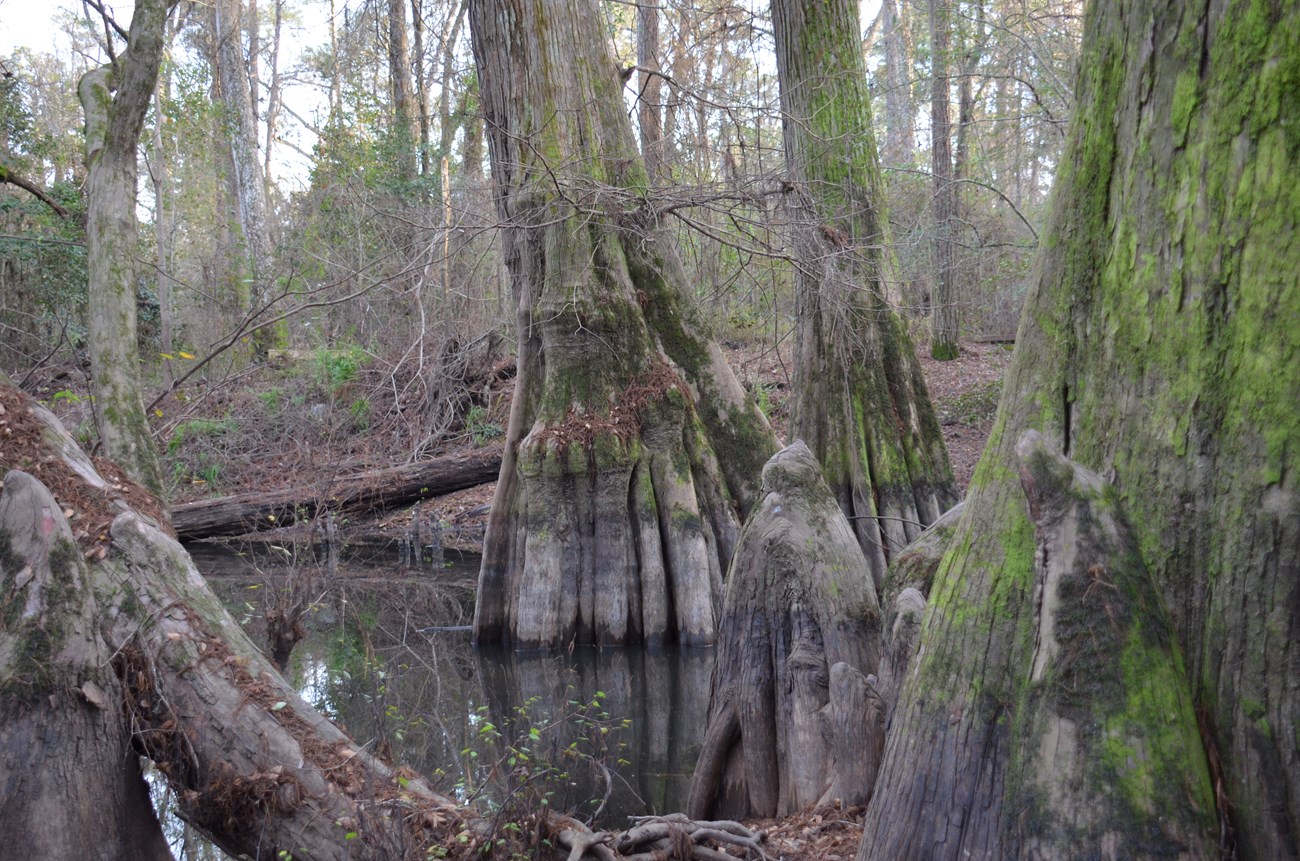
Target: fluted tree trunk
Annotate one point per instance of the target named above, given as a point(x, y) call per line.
point(860, 401)
point(1157, 348)
point(114, 100)
point(632, 451)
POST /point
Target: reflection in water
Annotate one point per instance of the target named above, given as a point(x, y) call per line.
point(487, 725)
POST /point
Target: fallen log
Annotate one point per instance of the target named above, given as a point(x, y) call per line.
point(111, 640)
point(375, 490)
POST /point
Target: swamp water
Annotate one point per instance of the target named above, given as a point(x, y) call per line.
point(606, 733)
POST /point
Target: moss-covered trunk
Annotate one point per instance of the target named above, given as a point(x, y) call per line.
point(632, 451)
point(860, 404)
point(114, 99)
point(1159, 349)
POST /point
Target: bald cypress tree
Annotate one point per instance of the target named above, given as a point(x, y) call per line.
point(860, 401)
point(632, 452)
point(1061, 707)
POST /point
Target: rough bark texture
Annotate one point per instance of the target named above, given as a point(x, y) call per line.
point(69, 786)
point(900, 131)
point(245, 165)
point(860, 401)
point(114, 99)
point(943, 300)
point(376, 490)
point(253, 766)
point(794, 714)
point(1155, 349)
point(404, 105)
point(632, 450)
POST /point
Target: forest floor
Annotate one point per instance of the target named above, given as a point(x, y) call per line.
point(272, 428)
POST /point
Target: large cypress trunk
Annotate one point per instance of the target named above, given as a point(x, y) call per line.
point(1158, 348)
point(860, 401)
point(632, 451)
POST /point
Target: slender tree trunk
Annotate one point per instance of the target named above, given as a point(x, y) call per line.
point(1160, 316)
point(650, 90)
point(860, 400)
point(943, 299)
point(114, 99)
point(403, 89)
point(632, 451)
point(162, 229)
point(900, 125)
point(273, 94)
point(421, 84)
point(246, 167)
point(449, 122)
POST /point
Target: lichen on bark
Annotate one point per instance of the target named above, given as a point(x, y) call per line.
point(1158, 321)
point(860, 400)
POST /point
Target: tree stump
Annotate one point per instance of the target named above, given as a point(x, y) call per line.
point(794, 714)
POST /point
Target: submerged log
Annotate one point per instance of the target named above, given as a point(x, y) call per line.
point(375, 490)
point(794, 715)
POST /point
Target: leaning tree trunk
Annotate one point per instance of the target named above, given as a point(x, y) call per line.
point(114, 99)
point(1157, 348)
point(68, 780)
point(794, 714)
point(134, 649)
point(861, 402)
point(632, 450)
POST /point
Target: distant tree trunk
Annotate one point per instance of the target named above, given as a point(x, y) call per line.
point(1159, 321)
point(162, 229)
point(650, 90)
point(471, 157)
point(448, 121)
point(860, 401)
point(403, 87)
point(794, 716)
point(246, 167)
point(943, 299)
point(632, 451)
point(900, 124)
point(421, 85)
point(114, 99)
point(273, 95)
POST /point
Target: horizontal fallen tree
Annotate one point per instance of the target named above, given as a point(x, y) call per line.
point(111, 641)
point(374, 490)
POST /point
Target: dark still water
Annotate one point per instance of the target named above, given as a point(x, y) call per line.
point(606, 733)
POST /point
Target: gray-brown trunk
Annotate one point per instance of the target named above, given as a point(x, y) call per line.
point(632, 450)
point(860, 402)
point(794, 713)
